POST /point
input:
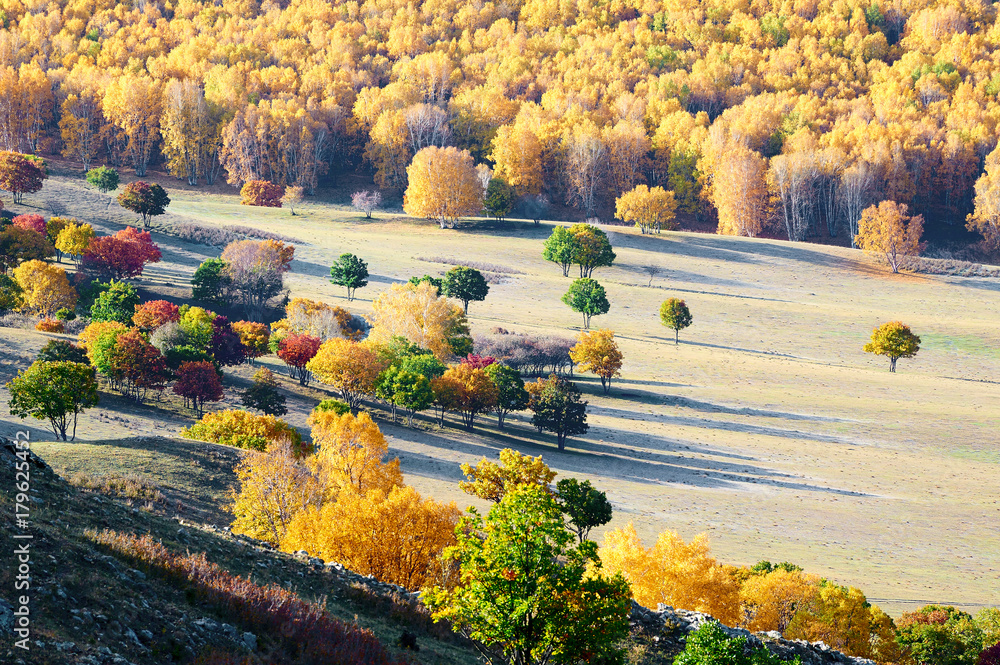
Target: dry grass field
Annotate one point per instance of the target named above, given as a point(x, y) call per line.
point(766, 427)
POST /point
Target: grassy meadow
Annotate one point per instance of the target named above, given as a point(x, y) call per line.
point(766, 427)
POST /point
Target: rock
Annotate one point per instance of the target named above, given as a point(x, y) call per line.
point(146, 635)
point(250, 640)
point(130, 634)
point(6, 617)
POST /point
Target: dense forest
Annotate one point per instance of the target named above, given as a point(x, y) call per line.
point(781, 118)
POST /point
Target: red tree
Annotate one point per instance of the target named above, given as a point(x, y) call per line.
point(197, 383)
point(154, 313)
point(478, 362)
point(30, 222)
point(262, 193)
point(990, 656)
point(136, 365)
point(226, 346)
point(122, 255)
point(296, 350)
point(145, 200)
point(21, 174)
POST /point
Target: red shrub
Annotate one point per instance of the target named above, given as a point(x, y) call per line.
point(478, 362)
point(990, 656)
point(30, 222)
point(296, 350)
point(122, 255)
point(154, 313)
point(262, 193)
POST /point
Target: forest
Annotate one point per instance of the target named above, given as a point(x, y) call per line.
point(779, 119)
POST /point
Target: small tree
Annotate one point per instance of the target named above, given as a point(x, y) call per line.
point(255, 272)
point(584, 505)
point(886, 231)
point(674, 314)
point(53, 228)
point(54, 391)
point(210, 282)
point(471, 392)
point(31, 222)
point(293, 196)
point(560, 248)
point(198, 382)
point(366, 201)
point(492, 482)
point(588, 298)
point(597, 352)
point(19, 245)
point(145, 200)
point(443, 185)
point(117, 302)
point(557, 407)
point(226, 346)
point(297, 350)
point(436, 282)
point(135, 366)
point(104, 178)
point(405, 390)
point(21, 174)
point(352, 369)
point(350, 272)
point(649, 208)
point(465, 284)
point(893, 340)
point(44, 288)
point(263, 394)
point(123, 255)
point(74, 239)
point(526, 593)
point(511, 395)
point(154, 313)
point(499, 199)
point(591, 248)
point(11, 294)
point(261, 193)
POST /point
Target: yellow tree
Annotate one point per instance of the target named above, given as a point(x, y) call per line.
point(585, 163)
point(491, 481)
point(418, 313)
point(133, 103)
point(771, 601)
point(44, 288)
point(352, 453)
point(395, 535)
point(985, 219)
point(191, 132)
point(517, 154)
point(470, 390)
point(841, 617)
point(739, 192)
point(628, 154)
point(80, 127)
point(597, 352)
point(348, 367)
point(274, 487)
point(74, 239)
point(886, 231)
point(443, 185)
point(649, 209)
point(672, 572)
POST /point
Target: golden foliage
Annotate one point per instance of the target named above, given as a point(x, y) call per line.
point(418, 313)
point(491, 481)
point(45, 288)
point(93, 331)
point(771, 601)
point(442, 185)
point(233, 427)
point(74, 239)
point(672, 572)
point(352, 453)
point(350, 368)
point(739, 192)
point(598, 352)
point(649, 209)
point(886, 231)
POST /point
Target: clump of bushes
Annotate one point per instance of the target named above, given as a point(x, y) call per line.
point(220, 236)
point(242, 429)
point(50, 326)
point(531, 355)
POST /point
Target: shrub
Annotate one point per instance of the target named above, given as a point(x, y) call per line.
point(104, 178)
point(261, 193)
point(263, 394)
point(50, 326)
point(711, 645)
point(334, 405)
point(65, 314)
point(30, 222)
point(122, 255)
point(242, 429)
point(56, 350)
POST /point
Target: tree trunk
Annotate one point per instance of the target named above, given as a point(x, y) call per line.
point(561, 440)
point(677, 336)
point(892, 364)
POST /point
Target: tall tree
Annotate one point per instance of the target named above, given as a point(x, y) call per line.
point(255, 272)
point(588, 298)
point(198, 382)
point(442, 186)
point(191, 132)
point(649, 209)
point(134, 103)
point(597, 352)
point(557, 407)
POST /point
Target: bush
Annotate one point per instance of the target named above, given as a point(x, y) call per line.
point(65, 314)
point(334, 405)
point(529, 354)
point(103, 178)
point(56, 350)
point(244, 430)
point(262, 193)
point(710, 645)
point(50, 326)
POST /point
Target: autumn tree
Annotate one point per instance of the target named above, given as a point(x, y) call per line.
point(597, 352)
point(893, 340)
point(770, 600)
point(56, 391)
point(465, 284)
point(44, 288)
point(939, 635)
point(191, 130)
point(296, 351)
point(74, 239)
point(475, 392)
point(886, 231)
point(739, 192)
point(585, 506)
point(366, 201)
point(261, 193)
point(262, 394)
point(350, 272)
point(517, 153)
point(225, 345)
point(20, 174)
point(442, 186)
point(10, 294)
point(80, 127)
point(350, 368)
point(985, 218)
point(242, 429)
point(649, 209)
point(133, 103)
point(104, 178)
point(406, 390)
point(255, 272)
point(19, 245)
point(511, 395)
point(591, 248)
point(53, 228)
point(254, 337)
point(122, 255)
point(674, 314)
point(557, 406)
point(562, 601)
point(585, 164)
point(30, 222)
point(145, 200)
point(352, 454)
point(154, 313)
point(492, 481)
point(588, 298)
point(417, 313)
point(116, 302)
point(294, 196)
point(499, 199)
point(135, 366)
point(197, 383)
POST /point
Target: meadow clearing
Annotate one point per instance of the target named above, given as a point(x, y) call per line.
point(766, 427)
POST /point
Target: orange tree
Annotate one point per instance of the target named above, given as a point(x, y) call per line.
point(350, 368)
point(261, 193)
point(649, 208)
point(597, 352)
point(472, 392)
point(893, 340)
point(886, 231)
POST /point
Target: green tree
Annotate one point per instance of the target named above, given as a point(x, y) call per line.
point(436, 282)
point(210, 282)
point(587, 297)
point(54, 391)
point(937, 635)
point(527, 596)
point(710, 645)
point(584, 505)
point(499, 198)
point(350, 272)
point(674, 314)
point(465, 284)
point(425, 364)
point(10, 293)
point(560, 248)
point(557, 407)
point(893, 340)
point(115, 303)
point(263, 394)
point(57, 350)
point(511, 395)
point(405, 390)
point(145, 200)
point(591, 248)
point(104, 178)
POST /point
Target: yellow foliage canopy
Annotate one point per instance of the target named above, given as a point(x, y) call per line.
point(349, 367)
point(45, 288)
point(351, 454)
point(418, 313)
point(597, 352)
point(442, 185)
point(886, 231)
